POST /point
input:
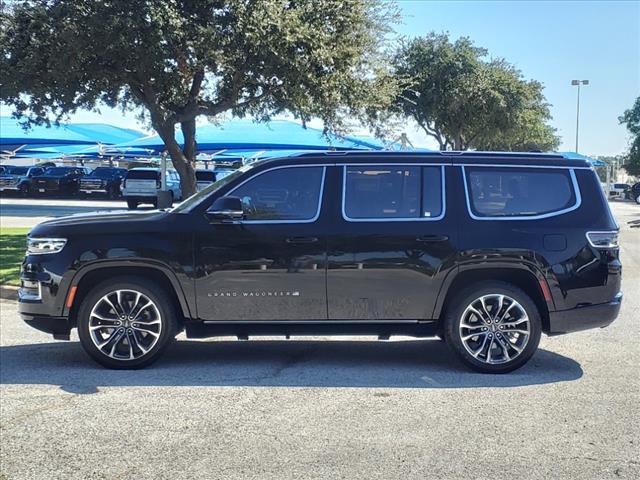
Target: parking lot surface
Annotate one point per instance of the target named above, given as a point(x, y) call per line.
point(28, 212)
point(325, 407)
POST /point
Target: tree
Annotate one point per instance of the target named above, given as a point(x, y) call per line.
point(631, 118)
point(174, 60)
point(464, 101)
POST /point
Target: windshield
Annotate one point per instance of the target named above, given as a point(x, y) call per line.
point(104, 172)
point(16, 170)
point(56, 171)
point(198, 197)
point(205, 176)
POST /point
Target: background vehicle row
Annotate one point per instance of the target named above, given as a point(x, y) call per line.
point(137, 185)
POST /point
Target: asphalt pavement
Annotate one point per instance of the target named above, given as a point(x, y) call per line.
point(325, 407)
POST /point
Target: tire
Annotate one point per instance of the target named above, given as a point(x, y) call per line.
point(113, 192)
point(132, 204)
point(24, 190)
point(152, 328)
point(638, 199)
point(491, 346)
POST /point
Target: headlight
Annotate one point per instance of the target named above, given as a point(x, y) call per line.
point(38, 246)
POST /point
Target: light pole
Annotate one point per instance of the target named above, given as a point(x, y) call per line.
point(578, 83)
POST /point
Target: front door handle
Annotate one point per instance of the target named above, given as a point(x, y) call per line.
point(301, 239)
point(432, 238)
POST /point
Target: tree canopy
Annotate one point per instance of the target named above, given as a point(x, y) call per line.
point(631, 118)
point(174, 60)
point(463, 100)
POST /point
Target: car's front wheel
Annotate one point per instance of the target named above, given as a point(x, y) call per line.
point(132, 204)
point(126, 322)
point(493, 328)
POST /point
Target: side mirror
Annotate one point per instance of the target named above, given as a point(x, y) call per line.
point(225, 210)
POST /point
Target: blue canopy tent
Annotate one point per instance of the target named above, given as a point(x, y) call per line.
point(248, 135)
point(42, 139)
point(578, 156)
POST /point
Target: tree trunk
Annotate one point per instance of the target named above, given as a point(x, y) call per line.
point(179, 160)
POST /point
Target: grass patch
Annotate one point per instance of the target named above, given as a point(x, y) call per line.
point(13, 244)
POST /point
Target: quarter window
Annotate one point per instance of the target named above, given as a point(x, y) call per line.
point(283, 194)
point(519, 192)
point(392, 192)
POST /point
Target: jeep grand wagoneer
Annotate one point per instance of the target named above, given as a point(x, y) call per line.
point(485, 250)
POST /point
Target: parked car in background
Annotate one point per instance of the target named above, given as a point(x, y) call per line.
point(462, 246)
point(635, 192)
point(222, 172)
point(4, 167)
point(141, 185)
point(204, 178)
point(103, 180)
point(59, 180)
point(18, 179)
point(618, 191)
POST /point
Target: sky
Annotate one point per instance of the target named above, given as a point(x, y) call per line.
point(553, 42)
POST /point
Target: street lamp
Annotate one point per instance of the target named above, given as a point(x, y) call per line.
point(578, 83)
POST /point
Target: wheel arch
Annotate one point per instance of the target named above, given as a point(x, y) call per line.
point(528, 280)
point(89, 276)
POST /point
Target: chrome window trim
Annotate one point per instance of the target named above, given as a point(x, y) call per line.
point(394, 219)
point(271, 222)
point(513, 165)
point(556, 213)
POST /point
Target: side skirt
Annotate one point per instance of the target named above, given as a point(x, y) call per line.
point(204, 329)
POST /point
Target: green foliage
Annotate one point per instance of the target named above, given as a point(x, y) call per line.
point(173, 60)
point(465, 101)
point(631, 118)
point(13, 244)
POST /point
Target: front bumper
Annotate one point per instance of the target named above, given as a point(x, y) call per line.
point(584, 318)
point(59, 327)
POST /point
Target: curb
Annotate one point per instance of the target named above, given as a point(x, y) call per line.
point(8, 292)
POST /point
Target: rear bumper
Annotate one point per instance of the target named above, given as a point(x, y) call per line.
point(93, 190)
point(584, 318)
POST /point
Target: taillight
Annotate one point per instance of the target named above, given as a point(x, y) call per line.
point(603, 239)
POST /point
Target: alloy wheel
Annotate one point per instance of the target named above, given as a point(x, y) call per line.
point(495, 329)
point(125, 324)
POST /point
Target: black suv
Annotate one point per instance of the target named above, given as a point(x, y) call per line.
point(103, 180)
point(59, 180)
point(485, 250)
point(18, 179)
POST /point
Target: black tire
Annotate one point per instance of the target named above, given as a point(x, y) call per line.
point(453, 335)
point(24, 190)
point(132, 204)
point(113, 192)
point(168, 324)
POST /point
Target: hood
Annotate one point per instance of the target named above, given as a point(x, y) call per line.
point(54, 177)
point(110, 222)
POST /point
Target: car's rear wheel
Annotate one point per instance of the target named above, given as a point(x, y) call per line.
point(126, 323)
point(24, 190)
point(493, 328)
point(132, 204)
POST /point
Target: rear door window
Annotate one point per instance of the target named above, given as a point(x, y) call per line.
point(378, 192)
point(504, 192)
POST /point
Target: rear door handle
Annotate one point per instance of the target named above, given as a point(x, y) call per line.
point(432, 238)
point(301, 239)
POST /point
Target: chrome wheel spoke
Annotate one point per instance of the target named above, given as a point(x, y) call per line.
point(118, 338)
point(494, 328)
